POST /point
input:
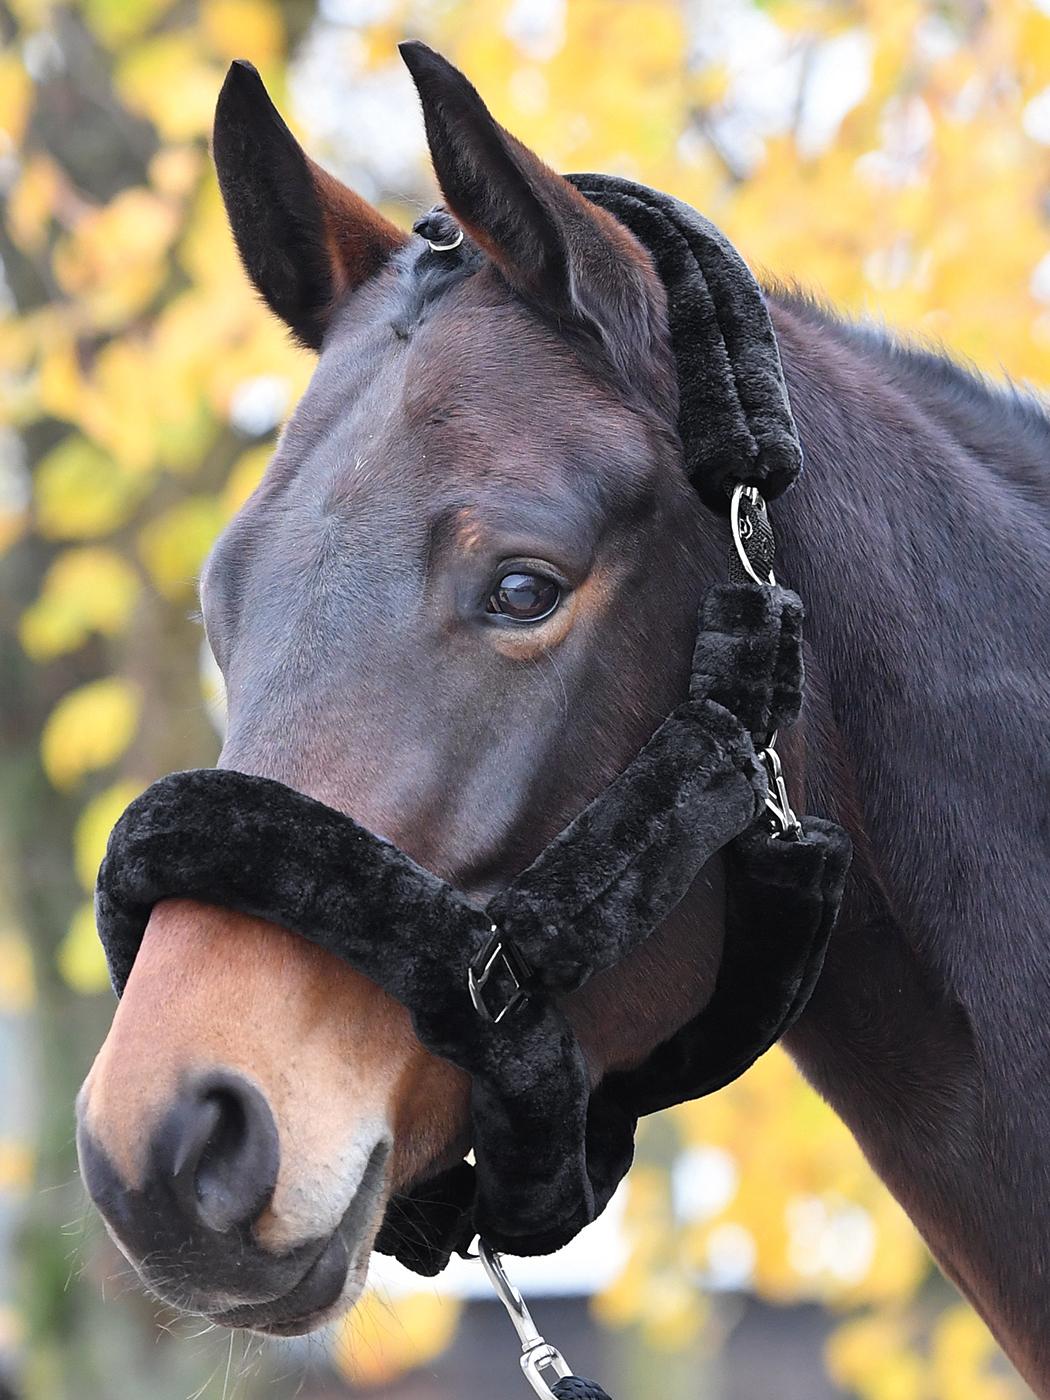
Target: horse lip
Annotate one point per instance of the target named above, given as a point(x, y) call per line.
point(317, 1290)
point(306, 1304)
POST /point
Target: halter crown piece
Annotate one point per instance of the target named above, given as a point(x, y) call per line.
point(483, 985)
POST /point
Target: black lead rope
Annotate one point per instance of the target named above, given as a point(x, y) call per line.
point(579, 1388)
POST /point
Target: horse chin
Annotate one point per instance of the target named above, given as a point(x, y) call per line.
point(329, 1288)
point(330, 1284)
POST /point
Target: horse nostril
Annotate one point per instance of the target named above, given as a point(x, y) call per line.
point(221, 1148)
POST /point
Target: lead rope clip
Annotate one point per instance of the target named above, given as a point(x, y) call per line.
point(537, 1354)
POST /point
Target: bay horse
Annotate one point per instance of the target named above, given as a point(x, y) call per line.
point(462, 597)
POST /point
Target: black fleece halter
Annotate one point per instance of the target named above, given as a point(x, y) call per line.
point(484, 985)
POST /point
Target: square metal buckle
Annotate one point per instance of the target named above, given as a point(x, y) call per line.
point(502, 961)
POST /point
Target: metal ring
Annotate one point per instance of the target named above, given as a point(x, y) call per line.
point(753, 498)
point(446, 247)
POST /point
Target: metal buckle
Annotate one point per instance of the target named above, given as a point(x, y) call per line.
point(743, 527)
point(498, 959)
point(537, 1354)
point(777, 798)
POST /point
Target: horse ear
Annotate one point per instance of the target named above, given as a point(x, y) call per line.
point(550, 243)
point(304, 238)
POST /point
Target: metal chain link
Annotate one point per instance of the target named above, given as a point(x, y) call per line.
point(754, 548)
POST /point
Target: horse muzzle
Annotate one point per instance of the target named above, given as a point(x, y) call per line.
point(189, 1225)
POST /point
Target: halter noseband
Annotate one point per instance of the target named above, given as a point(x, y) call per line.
point(484, 985)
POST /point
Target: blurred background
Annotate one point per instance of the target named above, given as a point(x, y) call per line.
point(891, 155)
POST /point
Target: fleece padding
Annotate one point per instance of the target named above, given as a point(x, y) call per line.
point(782, 899)
point(594, 893)
point(623, 864)
point(549, 1152)
point(734, 417)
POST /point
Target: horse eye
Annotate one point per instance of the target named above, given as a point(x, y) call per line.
point(525, 597)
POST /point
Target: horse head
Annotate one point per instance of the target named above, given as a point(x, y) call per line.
point(461, 599)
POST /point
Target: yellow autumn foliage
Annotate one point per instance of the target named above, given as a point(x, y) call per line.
point(89, 729)
point(380, 1340)
point(245, 475)
point(112, 261)
point(80, 958)
point(16, 91)
point(93, 826)
point(659, 1292)
point(171, 83)
point(80, 493)
point(883, 1357)
point(87, 589)
point(873, 1359)
point(924, 202)
point(16, 1166)
point(17, 984)
point(31, 202)
point(115, 22)
point(173, 545)
point(963, 1362)
point(236, 28)
point(825, 1227)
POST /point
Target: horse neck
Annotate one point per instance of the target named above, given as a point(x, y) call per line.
point(915, 540)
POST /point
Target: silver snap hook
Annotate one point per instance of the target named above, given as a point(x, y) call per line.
point(537, 1354)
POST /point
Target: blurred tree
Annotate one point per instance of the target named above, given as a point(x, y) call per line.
point(892, 154)
point(117, 449)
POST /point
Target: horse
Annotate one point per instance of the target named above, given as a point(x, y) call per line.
point(461, 598)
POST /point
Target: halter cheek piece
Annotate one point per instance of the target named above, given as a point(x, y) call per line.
point(484, 986)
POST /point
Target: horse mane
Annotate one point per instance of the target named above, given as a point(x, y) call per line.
point(980, 411)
